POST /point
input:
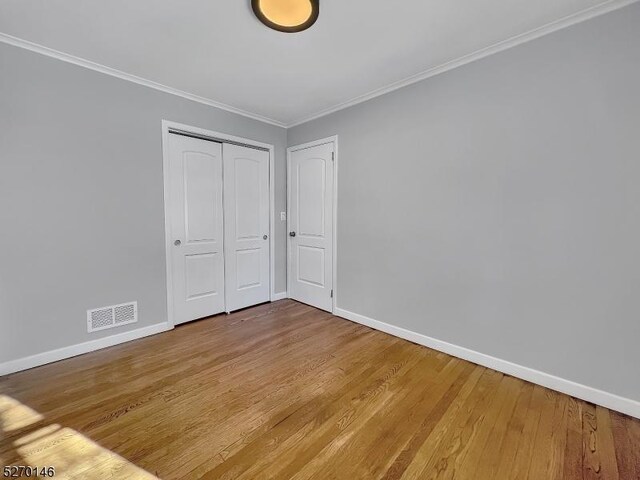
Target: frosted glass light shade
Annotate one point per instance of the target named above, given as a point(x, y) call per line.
point(286, 15)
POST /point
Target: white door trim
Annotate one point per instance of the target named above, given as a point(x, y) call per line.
point(167, 126)
point(323, 141)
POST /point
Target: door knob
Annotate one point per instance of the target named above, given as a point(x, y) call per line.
point(292, 234)
point(177, 243)
point(264, 237)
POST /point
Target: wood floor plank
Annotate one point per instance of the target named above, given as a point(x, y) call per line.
point(633, 430)
point(484, 435)
point(599, 455)
point(573, 458)
point(503, 438)
point(433, 425)
point(524, 455)
point(286, 391)
point(609, 466)
point(623, 442)
point(437, 456)
point(558, 439)
point(366, 448)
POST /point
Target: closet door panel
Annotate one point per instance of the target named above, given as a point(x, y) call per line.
point(246, 226)
point(196, 224)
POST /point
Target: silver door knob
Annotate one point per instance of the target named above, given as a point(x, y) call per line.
point(264, 237)
point(177, 243)
point(292, 234)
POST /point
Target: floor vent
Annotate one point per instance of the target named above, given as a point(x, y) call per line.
point(113, 316)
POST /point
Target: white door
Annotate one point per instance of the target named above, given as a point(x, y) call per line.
point(246, 225)
point(311, 225)
point(196, 225)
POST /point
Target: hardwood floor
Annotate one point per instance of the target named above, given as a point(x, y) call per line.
point(286, 391)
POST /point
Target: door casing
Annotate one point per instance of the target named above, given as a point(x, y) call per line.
point(169, 126)
point(334, 140)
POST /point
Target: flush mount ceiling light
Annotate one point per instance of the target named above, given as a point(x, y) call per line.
point(287, 15)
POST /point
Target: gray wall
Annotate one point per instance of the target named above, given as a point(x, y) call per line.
point(497, 206)
point(81, 197)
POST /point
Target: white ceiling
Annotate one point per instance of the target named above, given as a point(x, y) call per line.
point(217, 49)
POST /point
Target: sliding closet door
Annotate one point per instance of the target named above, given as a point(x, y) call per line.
point(196, 225)
point(246, 226)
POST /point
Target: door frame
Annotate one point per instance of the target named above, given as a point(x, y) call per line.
point(323, 141)
point(189, 130)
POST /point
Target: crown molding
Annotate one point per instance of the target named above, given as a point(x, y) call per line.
point(65, 57)
point(583, 15)
point(511, 42)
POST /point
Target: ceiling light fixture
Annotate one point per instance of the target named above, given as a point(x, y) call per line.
point(287, 15)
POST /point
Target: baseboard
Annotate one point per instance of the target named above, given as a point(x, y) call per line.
point(67, 352)
point(583, 392)
point(279, 296)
